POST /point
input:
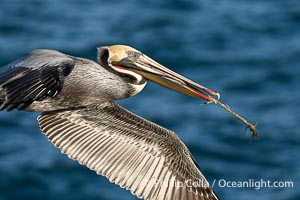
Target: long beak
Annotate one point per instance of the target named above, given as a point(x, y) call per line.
point(163, 76)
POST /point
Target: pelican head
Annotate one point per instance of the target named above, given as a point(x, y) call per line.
point(138, 68)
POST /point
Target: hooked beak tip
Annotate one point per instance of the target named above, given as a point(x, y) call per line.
point(218, 95)
point(213, 99)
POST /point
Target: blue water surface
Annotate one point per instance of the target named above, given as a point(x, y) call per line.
point(248, 50)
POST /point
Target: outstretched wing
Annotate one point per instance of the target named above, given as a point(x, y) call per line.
point(34, 77)
point(130, 151)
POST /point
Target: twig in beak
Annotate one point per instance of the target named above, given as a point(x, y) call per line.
point(242, 119)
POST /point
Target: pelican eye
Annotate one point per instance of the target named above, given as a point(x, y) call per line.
point(133, 54)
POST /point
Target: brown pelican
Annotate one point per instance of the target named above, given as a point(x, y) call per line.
point(76, 97)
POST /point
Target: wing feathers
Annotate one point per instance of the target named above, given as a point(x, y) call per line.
point(138, 155)
point(146, 186)
point(34, 77)
point(91, 154)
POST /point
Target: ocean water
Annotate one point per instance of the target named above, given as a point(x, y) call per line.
point(248, 50)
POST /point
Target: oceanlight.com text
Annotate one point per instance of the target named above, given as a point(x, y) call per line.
point(256, 184)
point(252, 183)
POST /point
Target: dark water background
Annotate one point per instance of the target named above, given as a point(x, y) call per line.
point(248, 50)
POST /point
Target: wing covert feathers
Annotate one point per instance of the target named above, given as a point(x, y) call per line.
point(132, 152)
point(35, 77)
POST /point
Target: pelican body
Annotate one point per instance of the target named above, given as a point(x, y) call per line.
point(79, 116)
